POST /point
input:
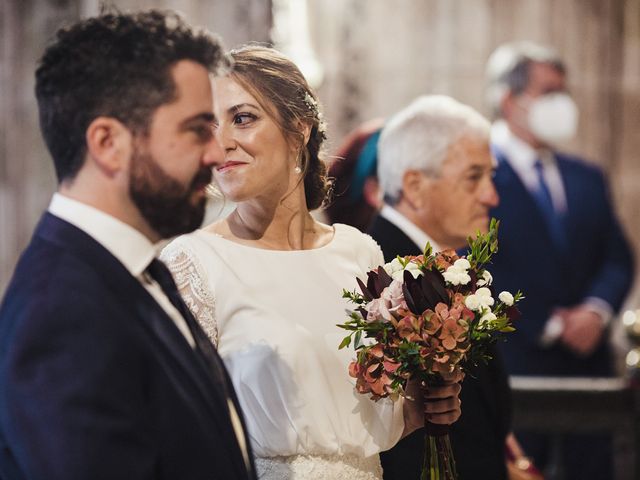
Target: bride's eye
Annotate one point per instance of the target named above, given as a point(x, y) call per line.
point(243, 118)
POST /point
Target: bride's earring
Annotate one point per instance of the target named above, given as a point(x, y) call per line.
point(298, 168)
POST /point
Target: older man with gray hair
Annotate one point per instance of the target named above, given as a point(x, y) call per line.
point(435, 170)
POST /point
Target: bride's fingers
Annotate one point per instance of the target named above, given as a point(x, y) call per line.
point(442, 406)
point(443, 411)
point(442, 391)
point(444, 418)
point(455, 376)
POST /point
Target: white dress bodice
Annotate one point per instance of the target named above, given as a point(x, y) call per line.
point(273, 316)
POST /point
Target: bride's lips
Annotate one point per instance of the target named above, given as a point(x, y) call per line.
point(229, 165)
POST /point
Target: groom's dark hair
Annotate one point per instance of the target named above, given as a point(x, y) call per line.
point(115, 65)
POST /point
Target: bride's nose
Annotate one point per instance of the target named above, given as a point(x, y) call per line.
point(225, 137)
point(213, 154)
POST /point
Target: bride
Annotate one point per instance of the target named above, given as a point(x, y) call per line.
point(266, 285)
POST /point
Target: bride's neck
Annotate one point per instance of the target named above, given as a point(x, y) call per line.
point(282, 226)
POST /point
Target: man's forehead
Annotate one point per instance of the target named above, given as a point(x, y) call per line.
point(469, 154)
point(546, 74)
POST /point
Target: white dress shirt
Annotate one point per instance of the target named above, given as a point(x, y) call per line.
point(522, 158)
point(410, 229)
point(128, 245)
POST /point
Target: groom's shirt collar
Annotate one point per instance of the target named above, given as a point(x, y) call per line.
point(134, 250)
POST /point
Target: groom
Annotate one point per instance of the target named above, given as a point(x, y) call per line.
point(103, 372)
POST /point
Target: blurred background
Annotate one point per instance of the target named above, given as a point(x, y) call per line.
point(366, 58)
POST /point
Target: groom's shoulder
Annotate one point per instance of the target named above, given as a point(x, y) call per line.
point(51, 284)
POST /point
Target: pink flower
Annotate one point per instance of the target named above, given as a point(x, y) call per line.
point(380, 385)
point(431, 322)
point(377, 351)
point(391, 366)
point(445, 259)
point(376, 310)
point(452, 332)
point(394, 296)
point(390, 301)
point(374, 372)
point(409, 328)
point(452, 329)
point(457, 299)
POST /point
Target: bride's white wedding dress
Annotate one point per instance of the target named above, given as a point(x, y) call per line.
point(273, 315)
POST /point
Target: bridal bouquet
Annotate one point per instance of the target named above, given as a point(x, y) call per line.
point(424, 317)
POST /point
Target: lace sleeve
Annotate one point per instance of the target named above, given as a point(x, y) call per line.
point(192, 282)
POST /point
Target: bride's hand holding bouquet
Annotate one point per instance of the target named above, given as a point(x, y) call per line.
point(439, 405)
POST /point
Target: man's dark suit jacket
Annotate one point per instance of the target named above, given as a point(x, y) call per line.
point(598, 264)
point(96, 381)
point(478, 436)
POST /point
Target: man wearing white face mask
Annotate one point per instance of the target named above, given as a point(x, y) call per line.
point(560, 241)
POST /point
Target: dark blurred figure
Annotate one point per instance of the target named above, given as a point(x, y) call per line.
point(356, 197)
point(560, 241)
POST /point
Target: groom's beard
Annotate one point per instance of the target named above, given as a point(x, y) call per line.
point(167, 205)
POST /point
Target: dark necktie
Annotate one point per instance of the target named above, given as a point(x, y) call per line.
point(544, 200)
point(161, 274)
point(204, 349)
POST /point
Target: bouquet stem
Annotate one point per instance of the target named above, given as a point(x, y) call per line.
point(438, 462)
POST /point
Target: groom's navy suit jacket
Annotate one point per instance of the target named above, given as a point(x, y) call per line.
point(598, 263)
point(96, 381)
point(478, 437)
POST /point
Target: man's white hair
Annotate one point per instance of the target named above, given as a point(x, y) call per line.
point(419, 137)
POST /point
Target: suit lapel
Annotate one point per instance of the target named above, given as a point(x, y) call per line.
point(575, 198)
point(392, 240)
point(152, 318)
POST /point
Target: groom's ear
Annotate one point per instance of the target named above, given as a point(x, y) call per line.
point(109, 144)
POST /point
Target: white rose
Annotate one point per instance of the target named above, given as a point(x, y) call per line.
point(486, 318)
point(484, 297)
point(397, 275)
point(456, 275)
point(396, 271)
point(392, 267)
point(486, 279)
point(472, 302)
point(462, 264)
point(506, 298)
point(414, 269)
